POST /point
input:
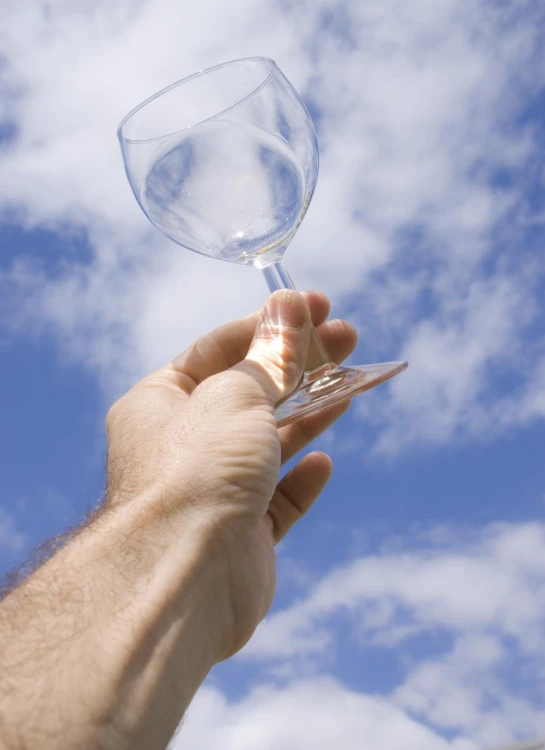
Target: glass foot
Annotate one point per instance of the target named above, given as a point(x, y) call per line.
point(323, 388)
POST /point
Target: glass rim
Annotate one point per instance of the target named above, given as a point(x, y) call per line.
point(272, 64)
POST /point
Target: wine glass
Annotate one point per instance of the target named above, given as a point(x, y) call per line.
point(225, 163)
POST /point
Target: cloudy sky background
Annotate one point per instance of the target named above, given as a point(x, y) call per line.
point(411, 604)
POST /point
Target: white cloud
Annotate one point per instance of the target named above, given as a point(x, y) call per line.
point(456, 358)
point(461, 692)
point(416, 104)
point(481, 593)
point(309, 714)
point(504, 564)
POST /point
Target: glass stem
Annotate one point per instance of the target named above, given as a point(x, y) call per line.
point(318, 359)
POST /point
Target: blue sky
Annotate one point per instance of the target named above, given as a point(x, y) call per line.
point(411, 602)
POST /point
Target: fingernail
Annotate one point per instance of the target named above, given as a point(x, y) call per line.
point(286, 309)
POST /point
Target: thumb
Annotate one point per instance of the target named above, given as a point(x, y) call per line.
point(278, 352)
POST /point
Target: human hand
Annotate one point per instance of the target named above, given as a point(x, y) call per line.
point(199, 440)
point(106, 643)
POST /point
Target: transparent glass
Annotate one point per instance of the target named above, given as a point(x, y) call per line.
point(225, 163)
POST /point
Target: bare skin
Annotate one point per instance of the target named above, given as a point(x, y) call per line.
point(105, 645)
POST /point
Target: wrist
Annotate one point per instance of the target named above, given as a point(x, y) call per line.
point(171, 560)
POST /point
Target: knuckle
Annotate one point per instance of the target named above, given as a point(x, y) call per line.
point(281, 360)
point(287, 370)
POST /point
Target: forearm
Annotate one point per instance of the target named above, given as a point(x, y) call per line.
point(106, 644)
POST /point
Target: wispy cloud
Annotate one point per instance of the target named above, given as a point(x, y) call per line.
point(427, 230)
point(419, 223)
point(312, 714)
point(481, 593)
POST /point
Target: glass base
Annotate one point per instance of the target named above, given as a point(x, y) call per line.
point(329, 385)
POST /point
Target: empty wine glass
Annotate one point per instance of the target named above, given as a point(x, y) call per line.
point(225, 163)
